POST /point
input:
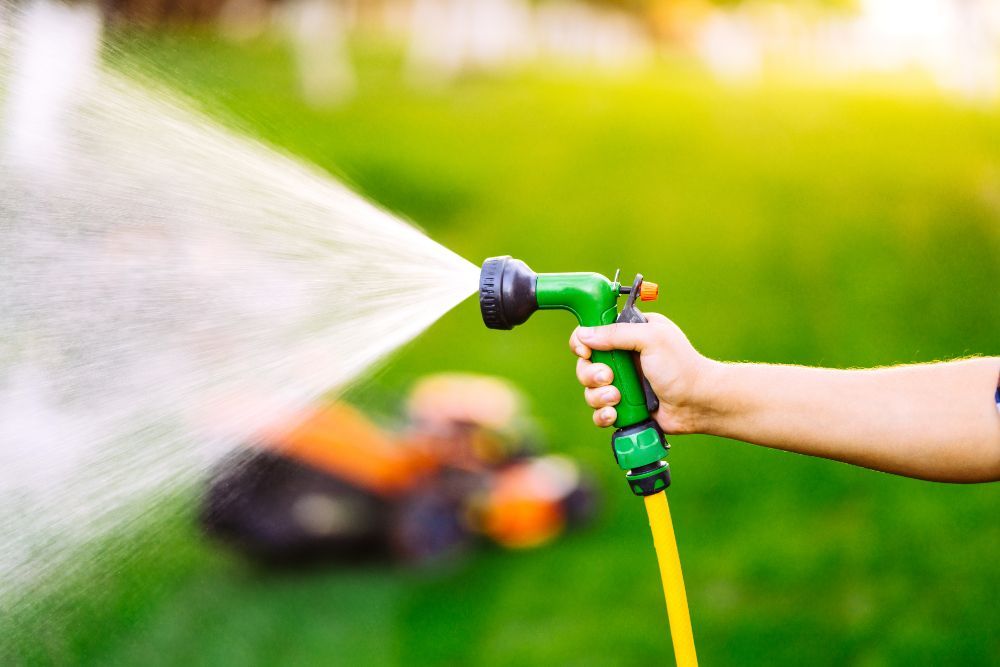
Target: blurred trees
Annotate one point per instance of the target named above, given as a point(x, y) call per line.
point(195, 11)
point(158, 11)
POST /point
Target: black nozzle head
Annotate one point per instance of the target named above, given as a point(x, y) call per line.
point(506, 292)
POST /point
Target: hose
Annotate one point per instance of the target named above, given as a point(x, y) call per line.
point(673, 581)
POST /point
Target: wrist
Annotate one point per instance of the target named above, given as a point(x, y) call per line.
point(703, 411)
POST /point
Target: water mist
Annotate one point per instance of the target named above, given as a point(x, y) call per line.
point(167, 289)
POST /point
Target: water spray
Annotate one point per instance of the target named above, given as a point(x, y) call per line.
point(170, 289)
point(509, 292)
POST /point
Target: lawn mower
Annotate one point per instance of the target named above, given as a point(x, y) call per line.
point(334, 486)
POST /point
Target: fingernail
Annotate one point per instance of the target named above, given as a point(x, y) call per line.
point(606, 414)
point(608, 395)
point(604, 376)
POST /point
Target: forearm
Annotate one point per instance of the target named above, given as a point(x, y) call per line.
point(932, 421)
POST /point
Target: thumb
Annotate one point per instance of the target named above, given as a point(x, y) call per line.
point(616, 336)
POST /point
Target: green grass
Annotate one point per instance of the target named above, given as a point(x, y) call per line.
point(784, 224)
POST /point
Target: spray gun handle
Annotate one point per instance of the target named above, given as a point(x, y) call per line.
point(593, 299)
point(641, 448)
point(633, 407)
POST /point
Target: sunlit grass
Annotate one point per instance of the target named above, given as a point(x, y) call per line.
point(843, 227)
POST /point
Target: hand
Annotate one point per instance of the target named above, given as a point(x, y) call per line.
point(679, 374)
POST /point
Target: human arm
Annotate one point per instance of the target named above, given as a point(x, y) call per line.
point(934, 421)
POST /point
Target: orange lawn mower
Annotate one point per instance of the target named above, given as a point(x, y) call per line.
point(336, 487)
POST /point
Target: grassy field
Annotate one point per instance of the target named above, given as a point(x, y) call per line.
point(784, 224)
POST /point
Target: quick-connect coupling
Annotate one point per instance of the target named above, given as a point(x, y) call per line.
point(641, 451)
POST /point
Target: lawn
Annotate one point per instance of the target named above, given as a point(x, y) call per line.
point(784, 223)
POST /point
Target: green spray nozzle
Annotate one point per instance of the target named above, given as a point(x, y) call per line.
point(510, 292)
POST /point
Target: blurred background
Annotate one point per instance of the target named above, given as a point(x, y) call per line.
point(810, 182)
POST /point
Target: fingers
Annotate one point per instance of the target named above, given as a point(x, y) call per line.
point(593, 375)
point(612, 337)
point(597, 378)
point(605, 417)
point(600, 394)
point(602, 397)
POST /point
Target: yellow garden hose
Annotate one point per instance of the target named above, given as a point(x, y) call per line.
point(673, 580)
